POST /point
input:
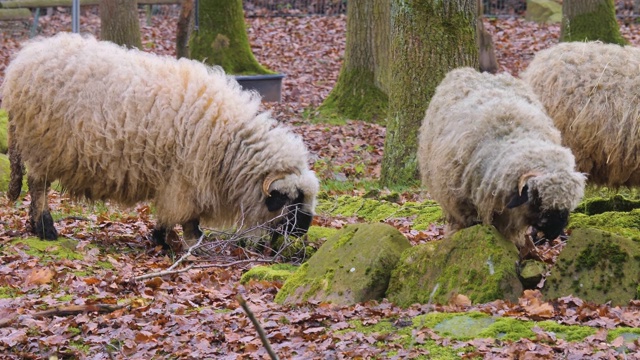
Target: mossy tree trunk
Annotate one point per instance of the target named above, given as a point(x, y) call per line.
point(221, 38)
point(119, 22)
point(184, 28)
point(428, 39)
point(361, 90)
point(590, 20)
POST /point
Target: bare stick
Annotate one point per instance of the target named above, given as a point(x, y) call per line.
point(192, 266)
point(256, 324)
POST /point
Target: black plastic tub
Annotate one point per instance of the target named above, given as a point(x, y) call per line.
point(269, 86)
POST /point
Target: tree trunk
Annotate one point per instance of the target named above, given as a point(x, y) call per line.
point(360, 92)
point(590, 20)
point(184, 28)
point(428, 39)
point(221, 38)
point(119, 22)
point(486, 50)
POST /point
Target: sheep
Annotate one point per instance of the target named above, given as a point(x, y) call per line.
point(128, 126)
point(590, 90)
point(489, 154)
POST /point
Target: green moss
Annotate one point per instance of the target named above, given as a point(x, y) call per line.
point(599, 205)
point(105, 265)
point(5, 173)
point(276, 272)
point(354, 265)
point(4, 122)
point(74, 330)
point(319, 234)
point(8, 292)
point(600, 24)
point(625, 224)
point(65, 298)
point(370, 210)
point(567, 332)
point(596, 266)
point(631, 333)
point(355, 96)
point(222, 39)
point(62, 248)
point(80, 346)
point(477, 262)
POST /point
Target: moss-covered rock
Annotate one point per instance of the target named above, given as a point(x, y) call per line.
point(275, 272)
point(477, 262)
point(625, 224)
point(371, 210)
point(596, 266)
point(4, 123)
point(352, 266)
point(599, 205)
point(4, 173)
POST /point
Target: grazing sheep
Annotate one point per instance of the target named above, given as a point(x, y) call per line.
point(489, 154)
point(590, 90)
point(129, 126)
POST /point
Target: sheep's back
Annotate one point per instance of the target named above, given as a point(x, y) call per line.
point(115, 123)
point(591, 92)
point(467, 140)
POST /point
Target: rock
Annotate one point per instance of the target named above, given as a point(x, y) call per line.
point(4, 173)
point(353, 265)
point(275, 272)
point(531, 272)
point(599, 205)
point(477, 262)
point(596, 266)
point(626, 224)
point(544, 11)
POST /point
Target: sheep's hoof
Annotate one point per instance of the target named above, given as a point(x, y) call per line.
point(44, 228)
point(159, 236)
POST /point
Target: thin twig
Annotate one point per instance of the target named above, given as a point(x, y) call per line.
point(256, 324)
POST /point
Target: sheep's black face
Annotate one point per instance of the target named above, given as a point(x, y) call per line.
point(551, 223)
point(295, 221)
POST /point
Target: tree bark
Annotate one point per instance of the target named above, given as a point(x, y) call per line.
point(486, 49)
point(184, 28)
point(360, 92)
point(119, 22)
point(590, 20)
point(221, 38)
point(428, 39)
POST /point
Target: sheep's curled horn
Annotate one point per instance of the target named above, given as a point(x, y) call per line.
point(523, 180)
point(266, 184)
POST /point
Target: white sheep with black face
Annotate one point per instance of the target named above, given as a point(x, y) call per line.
point(489, 154)
point(128, 126)
point(590, 90)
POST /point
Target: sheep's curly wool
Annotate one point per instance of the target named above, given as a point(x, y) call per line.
point(482, 135)
point(590, 90)
point(129, 126)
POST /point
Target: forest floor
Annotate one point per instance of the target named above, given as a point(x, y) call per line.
point(79, 299)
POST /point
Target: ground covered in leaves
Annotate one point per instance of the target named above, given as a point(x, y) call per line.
point(86, 296)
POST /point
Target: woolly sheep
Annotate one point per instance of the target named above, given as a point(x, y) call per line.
point(489, 154)
point(590, 90)
point(129, 126)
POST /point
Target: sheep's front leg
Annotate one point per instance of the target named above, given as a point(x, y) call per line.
point(39, 214)
point(191, 232)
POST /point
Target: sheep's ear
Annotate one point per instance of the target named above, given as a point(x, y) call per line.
point(276, 200)
point(519, 198)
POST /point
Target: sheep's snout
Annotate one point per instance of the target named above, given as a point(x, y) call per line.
point(552, 222)
point(295, 220)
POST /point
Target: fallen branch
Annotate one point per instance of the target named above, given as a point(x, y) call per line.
point(256, 324)
point(78, 309)
point(65, 311)
point(193, 266)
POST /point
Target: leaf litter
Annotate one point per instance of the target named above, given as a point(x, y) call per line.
point(88, 307)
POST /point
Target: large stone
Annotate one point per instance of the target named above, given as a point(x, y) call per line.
point(353, 265)
point(476, 262)
point(596, 266)
point(544, 11)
